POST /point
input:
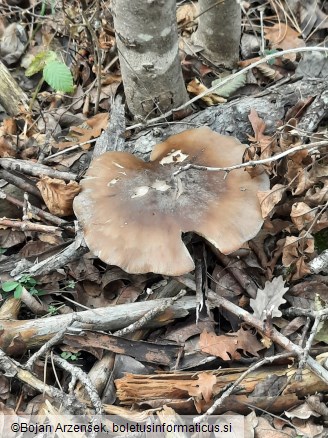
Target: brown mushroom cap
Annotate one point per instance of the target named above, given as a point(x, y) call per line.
point(133, 212)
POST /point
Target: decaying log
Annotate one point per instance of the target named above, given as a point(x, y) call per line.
point(232, 117)
point(175, 389)
point(17, 336)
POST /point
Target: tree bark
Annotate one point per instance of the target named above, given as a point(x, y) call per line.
point(173, 389)
point(219, 31)
point(147, 42)
point(12, 97)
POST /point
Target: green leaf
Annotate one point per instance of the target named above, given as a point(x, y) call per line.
point(227, 89)
point(65, 354)
point(9, 286)
point(39, 62)
point(270, 52)
point(58, 76)
point(18, 292)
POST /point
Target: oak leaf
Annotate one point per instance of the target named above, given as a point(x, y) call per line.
point(269, 299)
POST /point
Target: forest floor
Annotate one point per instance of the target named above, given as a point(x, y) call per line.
point(243, 334)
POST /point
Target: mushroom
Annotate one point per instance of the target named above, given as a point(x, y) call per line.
point(133, 213)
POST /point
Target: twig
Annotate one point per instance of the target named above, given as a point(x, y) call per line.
point(35, 169)
point(252, 162)
point(36, 211)
point(228, 79)
point(320, 263)
point(149, 315)
point(84, 379)
point(29, 226)
point(231, 389)
point(307, 348)
point(49, 344)
point(74, 251)
point(274, 335)
point(11, 368)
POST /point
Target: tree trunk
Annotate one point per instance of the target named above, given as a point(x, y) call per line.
point(219, 31)
point(147, 42)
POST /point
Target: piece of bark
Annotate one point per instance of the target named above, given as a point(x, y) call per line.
point(17, 336)
point(172, 387)
point(232, 117)
point(12, 97)
point(112, 139)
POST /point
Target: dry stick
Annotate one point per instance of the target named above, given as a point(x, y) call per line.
point(228, 79)
point(231, 389)
point(49, 344)
point(74, 251)
point(84, 379)
point(29, 226)
point(250, 319)
point(307, 348)
point(38, 212)
point(13, 369)
point(252, 162)
point(149, 315)
point(35, 169)
point(21, 183)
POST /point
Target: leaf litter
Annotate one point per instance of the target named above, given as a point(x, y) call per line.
point(268, 276)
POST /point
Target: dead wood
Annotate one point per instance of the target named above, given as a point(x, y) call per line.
point(12, 97)
point(17, 336)
point(174, 389)
point(232, 118)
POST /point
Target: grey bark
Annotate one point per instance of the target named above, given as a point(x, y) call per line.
point(12, 97)
point(147, 42)
point(232, 117)
point(219, 31)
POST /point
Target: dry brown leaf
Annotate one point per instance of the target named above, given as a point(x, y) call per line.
point(201, 388)
point(95, 125)
point(284, 37)
point(206, 382)
point(221, 346)
point(196, 87)
point(302, 215)
point(266, 143)
point(248, 342)
point(290, 252)
point(57, 195)
point(270, 198)
point(317, 195)
point(226, 346)
point(265, 430)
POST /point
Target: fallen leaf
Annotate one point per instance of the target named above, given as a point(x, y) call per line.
point(302, 215)
point(221, 346)
point(57, 195)
point(269, 299)
point(195, 87)
point(284, 37)
point(270, 198)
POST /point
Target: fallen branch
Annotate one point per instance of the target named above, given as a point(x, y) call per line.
point(226, 80)
point(35, 332)
point(35, 169)
point(268, 331)
point(253, 163)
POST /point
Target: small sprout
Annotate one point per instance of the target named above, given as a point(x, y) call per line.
point(25, 281)
point(67, 355)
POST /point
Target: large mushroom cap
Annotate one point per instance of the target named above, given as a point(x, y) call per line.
point(133, 212)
